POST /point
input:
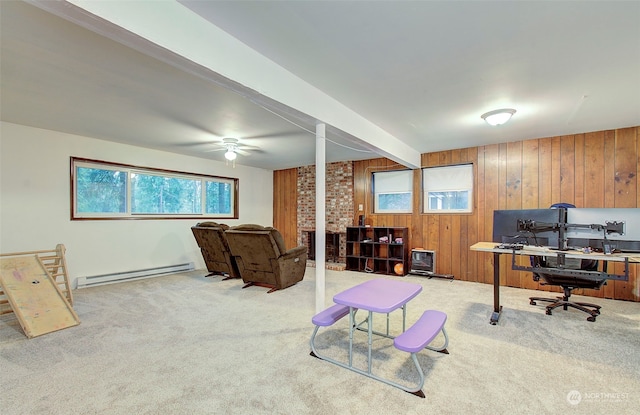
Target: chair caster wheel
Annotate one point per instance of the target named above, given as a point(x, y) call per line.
point(592, 318)
point(532, 302)
point(548, 312)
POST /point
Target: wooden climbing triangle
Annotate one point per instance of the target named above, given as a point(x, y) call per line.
point(35, 286)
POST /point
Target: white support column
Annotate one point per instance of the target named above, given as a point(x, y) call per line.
point(320, 215)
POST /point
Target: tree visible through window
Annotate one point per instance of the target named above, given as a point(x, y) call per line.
point(448, 189)
point(218, 197)
point(101, 190)
point(153, 194)
point(394, 202)
point(104, 190)
point(392, 191)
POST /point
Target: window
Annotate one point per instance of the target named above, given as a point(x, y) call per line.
point(392, 191)
point(103, 190)
point(448, 189)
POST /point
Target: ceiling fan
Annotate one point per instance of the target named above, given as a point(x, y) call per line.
point(232, 148)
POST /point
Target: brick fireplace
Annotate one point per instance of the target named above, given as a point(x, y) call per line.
point(339, 202)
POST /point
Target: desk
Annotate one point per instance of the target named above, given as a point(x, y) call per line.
point(374, 296)
point(537, 251)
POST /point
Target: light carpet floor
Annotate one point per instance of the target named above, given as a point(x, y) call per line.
point(185, 344)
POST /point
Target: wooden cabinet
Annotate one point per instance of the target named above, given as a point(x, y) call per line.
point(377, 249)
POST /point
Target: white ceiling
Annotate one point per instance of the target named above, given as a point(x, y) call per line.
point(423, 71)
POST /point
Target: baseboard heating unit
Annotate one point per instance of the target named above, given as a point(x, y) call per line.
point(84, 282)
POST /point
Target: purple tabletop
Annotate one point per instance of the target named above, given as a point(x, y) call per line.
point(380, 296)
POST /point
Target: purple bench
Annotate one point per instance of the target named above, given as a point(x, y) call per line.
point(422, 332)
point(330, 315)
point(418, 337)
point(326, 318)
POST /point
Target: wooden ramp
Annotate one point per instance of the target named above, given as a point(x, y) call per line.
point(34, 296)
point(56, 265)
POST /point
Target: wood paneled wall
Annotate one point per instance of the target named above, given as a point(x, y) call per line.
point(285, 205)
point(598, 169)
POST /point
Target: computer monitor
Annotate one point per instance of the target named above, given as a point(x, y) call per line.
point(625, 219)
point(528, 226)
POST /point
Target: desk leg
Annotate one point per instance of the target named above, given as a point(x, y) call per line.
point(497, 308)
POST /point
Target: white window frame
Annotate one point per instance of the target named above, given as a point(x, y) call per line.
point(455, 178)
point(392, 182)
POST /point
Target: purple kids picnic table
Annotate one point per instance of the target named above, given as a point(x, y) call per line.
point(382, 296)
point(376, 296)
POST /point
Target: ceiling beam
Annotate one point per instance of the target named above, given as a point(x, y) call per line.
point(172, 27)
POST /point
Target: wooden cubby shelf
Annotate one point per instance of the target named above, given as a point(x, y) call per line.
point(368, 251)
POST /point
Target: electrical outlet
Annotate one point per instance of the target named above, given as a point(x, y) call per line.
point(360, 207)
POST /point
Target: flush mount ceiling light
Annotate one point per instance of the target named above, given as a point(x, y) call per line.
point(498, 117)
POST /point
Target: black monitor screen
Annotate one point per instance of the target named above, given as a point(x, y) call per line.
point(508, 226)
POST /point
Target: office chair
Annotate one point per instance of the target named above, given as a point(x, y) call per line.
point(568, 284)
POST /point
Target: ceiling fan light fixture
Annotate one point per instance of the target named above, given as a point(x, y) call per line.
point(498, 117)
point(230, 155)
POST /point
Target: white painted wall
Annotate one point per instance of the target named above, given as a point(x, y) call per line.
point(35, 203)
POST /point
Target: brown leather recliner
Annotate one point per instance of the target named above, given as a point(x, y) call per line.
point(263, 259)
point(213, 243)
